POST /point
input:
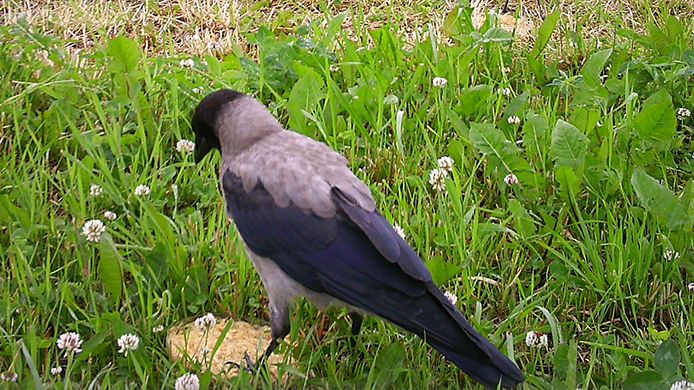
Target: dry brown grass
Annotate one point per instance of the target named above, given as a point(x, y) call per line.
point(199, 27)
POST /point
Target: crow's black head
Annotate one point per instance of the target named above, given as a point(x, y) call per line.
point(204, 120)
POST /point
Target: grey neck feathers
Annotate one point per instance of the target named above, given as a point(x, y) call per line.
point(242, 123)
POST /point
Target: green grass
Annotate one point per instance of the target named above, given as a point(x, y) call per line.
point(576, 250)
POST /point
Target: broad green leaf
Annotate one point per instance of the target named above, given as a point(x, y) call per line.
point(388, 362)
point(660, 201)
point(504, 155)
point(442, 271)
point(496, 35)
point(516, 107)
point(125, 54)
point(565, 366)
point(158, 260)
point(473, 100)
point(593, 67)
point(667, 359)
point(214, 67)
point(305, 96)
point(94, 345)
point(589, 90)
point(539, 69)
point(660, 97)
point(586, 118)
point(491, 141)
point(544, 33)
point(569, 145)
point(569, 181)
point(656, 124)
point(524, 223)
point(334, 27)
point(455, 151)
point(9, 213)
point(659, 335)
point(458, 124)
point(534, 134)
point(161, 224)
point(450, 23)
point(646, 380)
point(110, 269)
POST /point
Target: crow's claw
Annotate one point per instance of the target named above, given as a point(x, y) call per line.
point(250, 366)
point(247, 366)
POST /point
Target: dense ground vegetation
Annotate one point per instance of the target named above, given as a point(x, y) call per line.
point(567, 210)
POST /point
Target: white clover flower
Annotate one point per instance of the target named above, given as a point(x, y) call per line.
point(187, 63)
point(536, 340)
point(390, 100)
point(511, 179)
point(446, 164)
point(56, 370)
point(206, 322)
point(95, 190)
point(683, 112)
point(128, 342)
point(399, 230)
point(8, 376)
point(437, 179)
point(451, 297)
point(671, 255)
point(506, 92)
point(690, 286)
point(531, 339)
point(185, 146)
point(334, 67)
point(682, 385)
point(110, 215)
point(158, 329)
point(439, 82)
point(93, 229)
point(187, 382)
point(513, 120)
point(142, 190)
point(69, 342)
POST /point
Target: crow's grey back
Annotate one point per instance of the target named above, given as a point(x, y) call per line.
point(294, 168)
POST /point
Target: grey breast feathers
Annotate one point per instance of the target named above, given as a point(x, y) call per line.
point(294, 168)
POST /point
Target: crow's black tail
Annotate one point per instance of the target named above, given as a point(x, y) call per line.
point(443, 327)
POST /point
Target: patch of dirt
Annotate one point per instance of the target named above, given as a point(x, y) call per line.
point(189, 342)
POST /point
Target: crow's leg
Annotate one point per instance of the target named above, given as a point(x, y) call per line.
point(357, 320)
point(504, 9)
point(280, 326)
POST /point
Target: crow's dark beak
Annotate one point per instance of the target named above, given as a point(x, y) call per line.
point(202, 147)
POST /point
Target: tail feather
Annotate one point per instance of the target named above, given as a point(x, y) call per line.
point(444, 327)
point(489, 375)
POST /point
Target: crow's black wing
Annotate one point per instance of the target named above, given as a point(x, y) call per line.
point(357, 257)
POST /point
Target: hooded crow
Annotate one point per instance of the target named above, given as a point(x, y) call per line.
point(311, 229)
